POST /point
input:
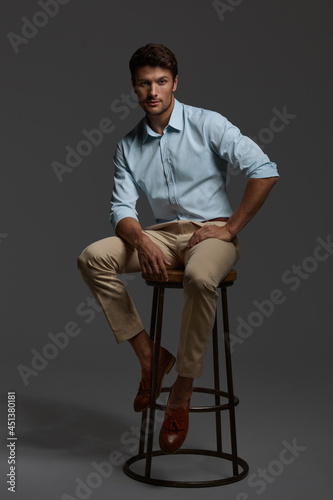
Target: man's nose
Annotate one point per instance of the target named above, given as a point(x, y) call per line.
point(153, 89)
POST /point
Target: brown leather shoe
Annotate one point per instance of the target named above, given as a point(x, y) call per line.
point(142, 400)
point(175, 427)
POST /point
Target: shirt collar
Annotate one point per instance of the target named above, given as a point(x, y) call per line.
point(175, 122)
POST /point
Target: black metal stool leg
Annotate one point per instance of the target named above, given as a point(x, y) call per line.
point(155, 363)
point(217, 388)
point(229, 381)
point(153, 315)
point(152, 336)
point(143, 431)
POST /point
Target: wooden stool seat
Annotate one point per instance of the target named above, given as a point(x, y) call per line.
point(177, 275)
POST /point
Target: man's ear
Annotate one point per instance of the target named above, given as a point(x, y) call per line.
point(175, 83)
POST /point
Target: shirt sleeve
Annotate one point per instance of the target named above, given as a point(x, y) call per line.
point(125, 191)
point(244, 154)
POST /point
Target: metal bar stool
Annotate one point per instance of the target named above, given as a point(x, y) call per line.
point(239, 467)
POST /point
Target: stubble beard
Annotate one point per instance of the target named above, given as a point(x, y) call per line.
point(157, 112)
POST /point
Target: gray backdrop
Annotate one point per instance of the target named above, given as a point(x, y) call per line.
point(266, 66)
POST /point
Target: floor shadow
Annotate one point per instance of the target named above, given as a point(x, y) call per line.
point(71, 429)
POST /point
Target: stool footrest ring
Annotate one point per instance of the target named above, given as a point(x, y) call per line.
point(186, 484)
point(205, 390)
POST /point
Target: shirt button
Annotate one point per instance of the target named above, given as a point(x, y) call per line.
point(173, 200)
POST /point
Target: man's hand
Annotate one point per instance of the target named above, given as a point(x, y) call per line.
point(210, 231)
point(152, 259)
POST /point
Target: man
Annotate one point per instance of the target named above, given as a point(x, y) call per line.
point(178, 156)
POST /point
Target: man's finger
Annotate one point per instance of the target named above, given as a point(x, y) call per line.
point(155, 268)
point(149, 270)
point(162, 271)
point(166, 262)
point(164, 274)
point(194, 240)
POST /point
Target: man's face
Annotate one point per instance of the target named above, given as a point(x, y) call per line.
point(154, 86)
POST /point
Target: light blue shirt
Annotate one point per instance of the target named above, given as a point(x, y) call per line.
point(183, 172)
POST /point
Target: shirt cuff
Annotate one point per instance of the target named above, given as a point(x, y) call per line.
point(116, 216)
point(264, 171)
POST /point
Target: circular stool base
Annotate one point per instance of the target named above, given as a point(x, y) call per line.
point(186, 484)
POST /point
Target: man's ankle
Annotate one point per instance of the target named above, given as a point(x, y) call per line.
point(181, 391)
point(142, 345)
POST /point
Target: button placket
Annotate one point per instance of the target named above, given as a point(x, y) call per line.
point(167, 170)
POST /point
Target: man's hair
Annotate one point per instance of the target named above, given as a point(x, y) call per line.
point(153, 54)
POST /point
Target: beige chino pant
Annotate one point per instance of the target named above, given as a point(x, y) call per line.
point(206, 264)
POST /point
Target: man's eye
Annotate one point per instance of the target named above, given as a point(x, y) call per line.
point(162, 82)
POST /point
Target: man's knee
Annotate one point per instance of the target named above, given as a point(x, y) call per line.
point(197, 279)
point(83, 259)
point(91, 259)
